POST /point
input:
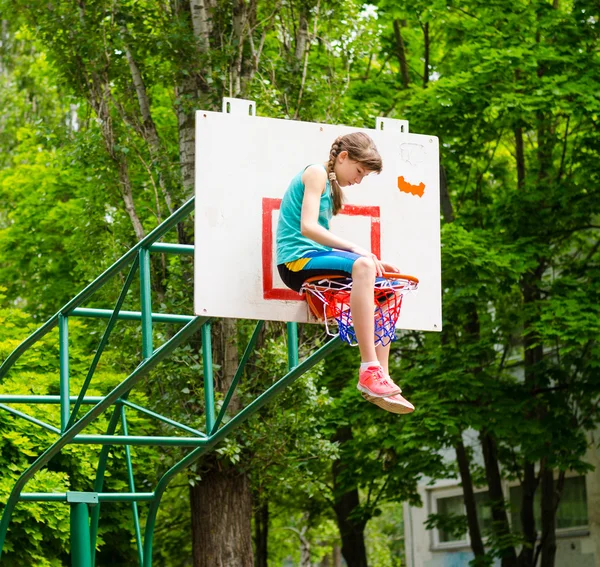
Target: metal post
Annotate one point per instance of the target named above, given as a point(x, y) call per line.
point(219, 435)
point(146, 303)
point(292, 335)
point(81, 297)
point(118, 392)
point(209, 386)
point(63, 340)
point(134, 506)
point(81, 552)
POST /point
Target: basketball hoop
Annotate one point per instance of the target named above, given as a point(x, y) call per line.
point(328, 298)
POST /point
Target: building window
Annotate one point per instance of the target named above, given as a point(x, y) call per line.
point(572, 510)
point(453, 506)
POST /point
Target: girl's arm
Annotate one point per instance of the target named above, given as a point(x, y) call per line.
point(314, 179)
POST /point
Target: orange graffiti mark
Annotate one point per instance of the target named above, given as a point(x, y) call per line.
point(407, 187)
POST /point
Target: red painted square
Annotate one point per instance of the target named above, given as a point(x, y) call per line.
point(270, 205)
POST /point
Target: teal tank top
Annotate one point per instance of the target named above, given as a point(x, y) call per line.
point(291, 244)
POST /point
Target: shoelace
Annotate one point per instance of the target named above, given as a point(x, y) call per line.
point(382, 378)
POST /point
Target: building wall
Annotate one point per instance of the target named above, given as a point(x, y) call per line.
point(574, 549)
point(593, 496)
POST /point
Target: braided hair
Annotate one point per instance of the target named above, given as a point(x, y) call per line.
point(360, 148)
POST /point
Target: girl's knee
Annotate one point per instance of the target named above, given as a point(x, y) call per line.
point(364, 267)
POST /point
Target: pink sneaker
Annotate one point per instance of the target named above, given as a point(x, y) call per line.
point(393, 404)
point(375, 383)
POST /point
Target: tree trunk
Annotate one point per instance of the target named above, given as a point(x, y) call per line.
point(500, 523)
point(239, 24)
point(301, 36)
point(519, 148)
point(533, 356)
point(334, 559)
point(351, 531)
point(201, 24)
point(261, 534)
point(426, 54)
point(469, 496)
point(221, 527)
point(401, 52)
point(445, 202)
point(148, 130)
point(528, 488)
point(304, 549)
point(190, 86)
point(549, 501)
point(127, 193)
point(99, 96)
point(337, 556)
point(187, 135)
point(222, 501)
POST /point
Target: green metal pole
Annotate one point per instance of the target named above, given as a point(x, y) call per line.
point(100, 473)
point(292, 335)
point(63, 339)
point(168, 248)
point(238, 375)
point(135, 440)
point(120, 390)
point(146, 301)
point(130, 315)
point(101, 497)
point(209, 385)
point(81, 555)
point(219, 435)
point(162, 418)
point(157, 233)
point(31, 419)
point(131, 480)
point(45, 399)
point(103, 342)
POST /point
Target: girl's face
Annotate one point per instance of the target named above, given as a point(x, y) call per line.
point(348, 171)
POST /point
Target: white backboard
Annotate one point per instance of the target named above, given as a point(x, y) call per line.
point(244, 165)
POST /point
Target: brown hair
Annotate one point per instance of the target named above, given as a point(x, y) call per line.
point(360, 148)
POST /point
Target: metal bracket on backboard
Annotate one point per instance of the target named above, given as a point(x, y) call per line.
point(391, 124)
point(239, 106)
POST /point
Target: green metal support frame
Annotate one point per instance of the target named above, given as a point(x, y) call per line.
point(81, 553)
point(86, 507)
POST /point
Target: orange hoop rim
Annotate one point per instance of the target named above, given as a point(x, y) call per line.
point(386, 275)
point(328, 298)
point(316, 288)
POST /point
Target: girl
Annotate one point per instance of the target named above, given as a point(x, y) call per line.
point(306, 248)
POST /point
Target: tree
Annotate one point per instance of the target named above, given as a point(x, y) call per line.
point(505, 116)
point(508, 88)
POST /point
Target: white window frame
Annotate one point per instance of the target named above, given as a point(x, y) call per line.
point(456, 490)
point(577, 531)
point(434, 495)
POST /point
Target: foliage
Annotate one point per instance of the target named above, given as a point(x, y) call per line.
point(39, 532)
point(509, 89)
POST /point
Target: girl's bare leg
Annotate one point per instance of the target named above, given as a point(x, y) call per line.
point(383, 355)
point(361, 305)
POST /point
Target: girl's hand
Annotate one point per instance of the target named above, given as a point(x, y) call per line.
point(360, 251)
point(390, 267)
point(379, 266)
